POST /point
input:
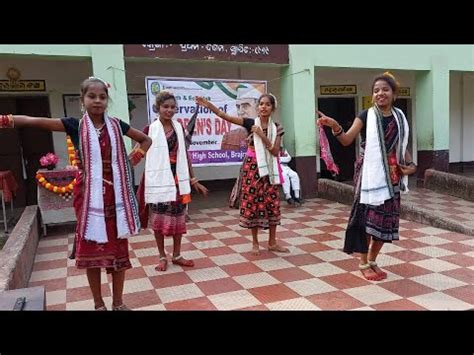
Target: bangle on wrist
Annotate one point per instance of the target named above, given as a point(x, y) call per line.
point(338, 133)
point(6, 121)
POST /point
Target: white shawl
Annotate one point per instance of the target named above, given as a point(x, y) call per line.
point(95, 229)
point(267, 162)
point(160, 184)
point(376, 185)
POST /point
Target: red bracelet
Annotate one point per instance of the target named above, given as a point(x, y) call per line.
point(6, 121)
point(136, 157)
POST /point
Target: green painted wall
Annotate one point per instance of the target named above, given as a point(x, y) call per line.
point(408, 57)
point(431, 62)
point(47, 50)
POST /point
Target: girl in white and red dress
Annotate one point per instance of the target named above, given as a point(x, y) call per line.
point(104, 202)
point(165, 189)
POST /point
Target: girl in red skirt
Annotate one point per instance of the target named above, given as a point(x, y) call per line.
point(104, 202)
point(261, 172)
point(166, 183)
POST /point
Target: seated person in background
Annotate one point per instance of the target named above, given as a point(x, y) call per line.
point(291, 179)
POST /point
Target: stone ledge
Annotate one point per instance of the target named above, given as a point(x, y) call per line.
point(18, 253)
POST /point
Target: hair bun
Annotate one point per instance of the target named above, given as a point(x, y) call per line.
point(387, 73)
point(390, 75)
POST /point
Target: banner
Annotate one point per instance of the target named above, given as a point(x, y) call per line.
point(215, 142)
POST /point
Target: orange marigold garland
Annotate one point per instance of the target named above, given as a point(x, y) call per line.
point(71, 152)
point(65, 191)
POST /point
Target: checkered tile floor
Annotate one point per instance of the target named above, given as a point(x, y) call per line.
point(442, 205)
point(428, 268)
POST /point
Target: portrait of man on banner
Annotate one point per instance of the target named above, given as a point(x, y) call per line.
point(246, 104)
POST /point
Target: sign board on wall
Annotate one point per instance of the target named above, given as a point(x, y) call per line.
point(338, 89)
point(404, 91)
point(257, 53)
point(22, 85)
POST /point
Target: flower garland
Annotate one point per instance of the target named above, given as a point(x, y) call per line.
point(71, 152)
point(65, 191)
point(55, 188)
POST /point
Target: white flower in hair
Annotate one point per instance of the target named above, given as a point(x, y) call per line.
point(107, 85)
point(274, 98)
